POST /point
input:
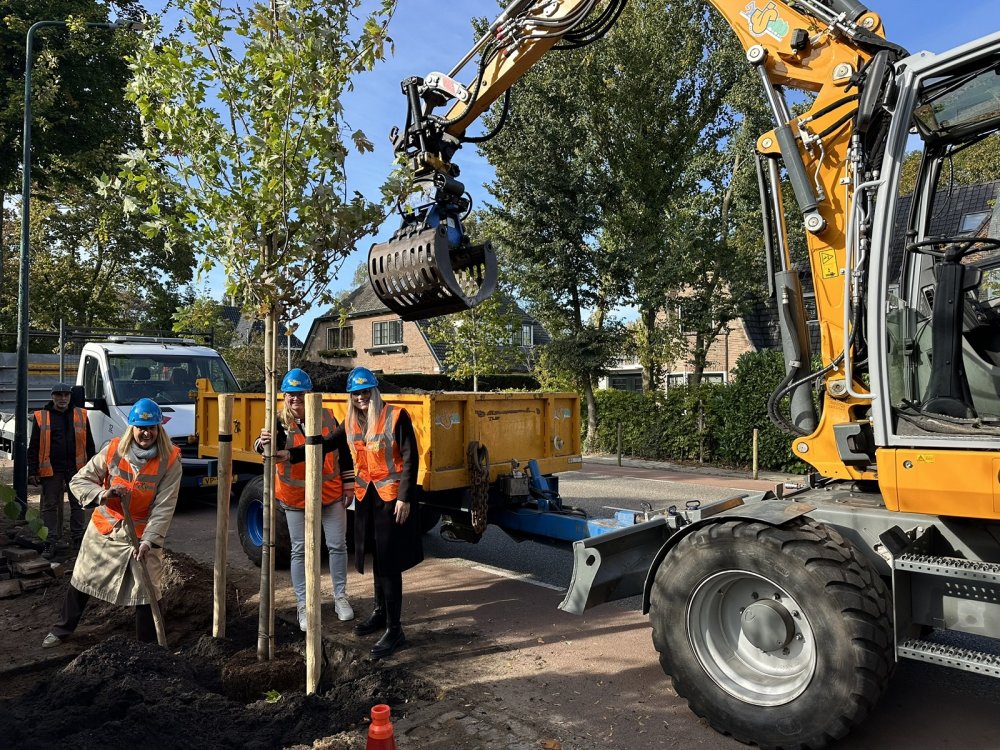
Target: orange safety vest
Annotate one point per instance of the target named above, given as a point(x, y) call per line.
point(290, 481)
point(141, 487)
point(45, 440)
point(370, 465)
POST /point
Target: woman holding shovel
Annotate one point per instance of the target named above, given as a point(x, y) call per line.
point(133, 484)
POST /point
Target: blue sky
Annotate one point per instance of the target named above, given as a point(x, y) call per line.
point(433, 35)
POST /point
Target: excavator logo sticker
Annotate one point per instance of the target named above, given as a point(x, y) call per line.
point(765, 20)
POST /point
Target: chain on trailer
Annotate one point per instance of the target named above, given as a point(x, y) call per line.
point(479, 485)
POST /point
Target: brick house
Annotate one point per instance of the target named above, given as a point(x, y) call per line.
point(370, 335)
point(968, 210)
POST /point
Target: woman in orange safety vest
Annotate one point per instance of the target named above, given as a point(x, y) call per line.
point(144, 468)
point(290, 490)
point(384, 447)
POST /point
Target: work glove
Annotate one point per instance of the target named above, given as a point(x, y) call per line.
point(142, 550)
point(110, 494)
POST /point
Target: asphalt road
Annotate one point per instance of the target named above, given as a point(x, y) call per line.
point(925, 707)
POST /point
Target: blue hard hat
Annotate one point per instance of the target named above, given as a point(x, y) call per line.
point(296, 381)
point(361, 378)
point(145, 412)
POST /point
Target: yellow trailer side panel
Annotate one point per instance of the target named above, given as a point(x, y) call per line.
point(513, 427)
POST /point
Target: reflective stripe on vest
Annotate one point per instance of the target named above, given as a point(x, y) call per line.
point(370, 465)
point(44, 426)
point(141, 489)
point(290, 481)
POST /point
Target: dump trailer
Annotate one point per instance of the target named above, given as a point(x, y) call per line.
point(485, 458)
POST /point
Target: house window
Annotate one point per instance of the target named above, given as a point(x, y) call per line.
point(341, 337)
point(387, 333)
point(627, 382)
point(525, 336)
point(676, 379)
point(972, 222)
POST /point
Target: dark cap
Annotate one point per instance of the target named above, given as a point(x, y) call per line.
point(62, 388)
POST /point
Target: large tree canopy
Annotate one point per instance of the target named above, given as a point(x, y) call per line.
point(91, 266)
point(80, 120)
point(244, 132)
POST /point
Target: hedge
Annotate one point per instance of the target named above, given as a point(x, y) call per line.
point(709, 423)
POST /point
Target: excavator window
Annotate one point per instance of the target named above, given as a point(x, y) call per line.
point(944, 321)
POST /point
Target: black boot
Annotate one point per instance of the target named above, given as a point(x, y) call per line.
point(393, 637)
point(374, 623)
point(377, 619)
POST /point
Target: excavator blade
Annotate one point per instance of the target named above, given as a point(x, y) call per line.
point(614, 565)
point(419, 274)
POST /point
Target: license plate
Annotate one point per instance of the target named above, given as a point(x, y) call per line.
point(209, 481)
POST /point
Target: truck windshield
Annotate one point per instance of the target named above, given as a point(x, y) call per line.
point(167, 379)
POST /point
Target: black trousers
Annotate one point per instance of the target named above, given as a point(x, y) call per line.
point(76, 602)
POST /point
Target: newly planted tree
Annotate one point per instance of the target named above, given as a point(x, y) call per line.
point(243, 129)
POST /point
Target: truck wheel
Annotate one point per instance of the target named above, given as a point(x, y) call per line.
point(780, 637)
point(429, 518)
point(250, 525)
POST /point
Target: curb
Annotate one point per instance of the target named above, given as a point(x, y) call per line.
point(604, 459)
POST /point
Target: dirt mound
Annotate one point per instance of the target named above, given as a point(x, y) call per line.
point(202, 692)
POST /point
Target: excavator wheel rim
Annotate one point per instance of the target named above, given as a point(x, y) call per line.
point(763, 678)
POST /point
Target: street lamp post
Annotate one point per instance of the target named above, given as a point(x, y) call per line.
point(21, 402)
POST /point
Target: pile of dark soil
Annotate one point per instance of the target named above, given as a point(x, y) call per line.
point(202, 692)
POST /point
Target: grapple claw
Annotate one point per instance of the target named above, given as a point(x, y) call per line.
point(422, 273)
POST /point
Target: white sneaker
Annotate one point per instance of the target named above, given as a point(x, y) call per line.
point(343, 609)
point(302, 619)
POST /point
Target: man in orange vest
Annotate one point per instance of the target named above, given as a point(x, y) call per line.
point(61, 444)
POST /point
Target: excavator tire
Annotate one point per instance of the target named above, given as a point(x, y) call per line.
point(778, 636)
point(250, 526)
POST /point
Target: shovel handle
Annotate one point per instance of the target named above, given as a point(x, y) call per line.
point(144, 579)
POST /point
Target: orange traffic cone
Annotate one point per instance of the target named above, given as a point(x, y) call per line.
point(380, 734)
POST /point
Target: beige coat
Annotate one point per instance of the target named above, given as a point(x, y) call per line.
point(105, 567)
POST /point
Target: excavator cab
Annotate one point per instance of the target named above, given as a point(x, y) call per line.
point(944, 325)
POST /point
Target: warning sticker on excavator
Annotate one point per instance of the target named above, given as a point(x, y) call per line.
point(828, 264)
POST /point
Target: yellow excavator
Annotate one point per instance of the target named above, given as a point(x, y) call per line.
point(780, 616)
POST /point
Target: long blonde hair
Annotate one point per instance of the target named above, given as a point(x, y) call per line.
point(355, 416)
point(163, 443)
point(285, 416)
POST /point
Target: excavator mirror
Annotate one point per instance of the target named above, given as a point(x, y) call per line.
point(429, 268)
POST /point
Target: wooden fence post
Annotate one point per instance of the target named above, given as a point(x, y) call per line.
point(619, 443)
point(313, 526)
point(756, 438)
point(225, 488)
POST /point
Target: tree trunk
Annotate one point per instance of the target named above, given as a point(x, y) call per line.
point(699, 356)
point(3, 241)
point(265, 624)
point(590, 441)
point(647, 357)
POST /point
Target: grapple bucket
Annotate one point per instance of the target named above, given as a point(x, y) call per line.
point(419, 274)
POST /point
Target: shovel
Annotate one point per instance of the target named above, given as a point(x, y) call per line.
point(144, 579)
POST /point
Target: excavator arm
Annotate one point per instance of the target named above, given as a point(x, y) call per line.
point(833, 49)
